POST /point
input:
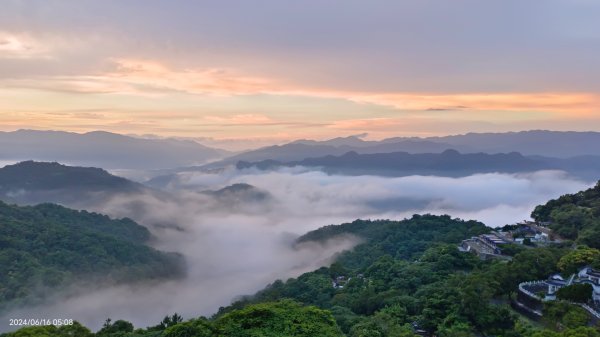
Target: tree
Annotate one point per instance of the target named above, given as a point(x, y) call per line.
point(192, 328)
point(373, 327)
point(459, 329)
point(575, 318)
point(578, 258)
point(118, 326)
point(569, 315)
point(74, 330)
point(35, 331)
point(581, 293)
point(168, 321)
point(283, 318)
point(591, 236)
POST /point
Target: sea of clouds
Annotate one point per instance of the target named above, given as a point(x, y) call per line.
point(237, 244)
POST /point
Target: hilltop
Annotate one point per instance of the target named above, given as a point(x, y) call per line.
point(32, 182)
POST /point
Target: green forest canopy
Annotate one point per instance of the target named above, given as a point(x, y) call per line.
point(574, 216)
point(49, 246)
point(405, 275)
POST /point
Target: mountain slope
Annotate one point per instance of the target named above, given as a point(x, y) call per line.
point(574, 216)
point(404, 271)
point(239, 193)
point(407, 278)
point(49, 247)
point(37, 182)
point(401, 239)
point(103, 149)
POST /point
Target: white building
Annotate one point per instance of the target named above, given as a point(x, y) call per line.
point(590, 276)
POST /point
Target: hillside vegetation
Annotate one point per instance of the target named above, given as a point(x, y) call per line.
point(31, 182)
point(410, 273)
point(405, 276)
point(49, 246)
point(574, 216)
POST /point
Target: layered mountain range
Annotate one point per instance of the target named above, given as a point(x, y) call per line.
point(103, 149)
point(528, 143)
point(448, 163)
point(114, 151)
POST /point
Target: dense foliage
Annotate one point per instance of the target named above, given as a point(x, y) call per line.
point(445, 291)
point(577, 258)
point(405, 276)
point(574, 216)
point(49, 246)
point(410, 274)
point(562, 314)
point(580, 293)
point(406, 239)
point(31, 175)
point(30, 183)
point(276, 319)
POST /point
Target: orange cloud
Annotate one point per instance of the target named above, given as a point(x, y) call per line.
point(228, 82)
point(151, 78)
point(134, 80)
point(577, 104)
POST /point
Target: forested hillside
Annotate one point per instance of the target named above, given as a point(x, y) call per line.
point(405, 277)
point(405, 240)
point(574, 216)
point(49, 246)
point(32, 182)
point(276, 319)
point(409, 275)
point(388, 292)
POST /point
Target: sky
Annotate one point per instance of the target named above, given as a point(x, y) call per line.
point(272, 71)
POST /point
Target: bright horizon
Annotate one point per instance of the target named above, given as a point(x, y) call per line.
point(250, 75)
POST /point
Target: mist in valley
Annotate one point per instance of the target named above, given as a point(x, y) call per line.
point(238, 240)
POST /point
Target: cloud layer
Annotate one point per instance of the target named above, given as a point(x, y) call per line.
point(237, 244)
point(388, 68)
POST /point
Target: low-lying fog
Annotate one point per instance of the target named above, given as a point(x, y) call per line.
point(239, 241)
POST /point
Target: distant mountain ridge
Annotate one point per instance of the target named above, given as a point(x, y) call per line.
point(556, 144)
point(559, 144)
point(115, 151)
point(448, 163)
point(103, 149)
point(565, 144)
point(299, 150)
